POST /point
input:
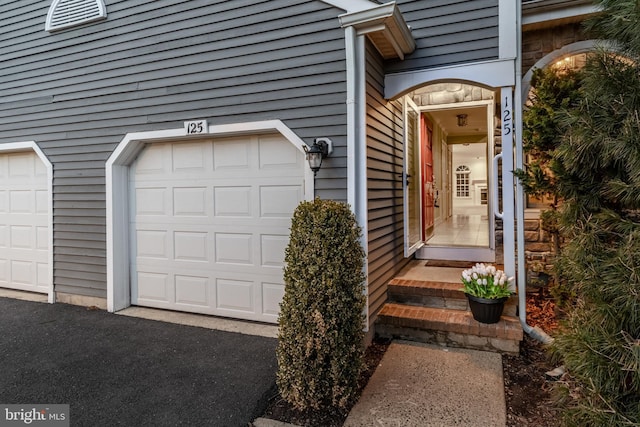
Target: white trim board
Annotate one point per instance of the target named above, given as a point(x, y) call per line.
point(15, 147)
point(117, 172)
point(491, 74)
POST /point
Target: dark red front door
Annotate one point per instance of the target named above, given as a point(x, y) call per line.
point(428, 186)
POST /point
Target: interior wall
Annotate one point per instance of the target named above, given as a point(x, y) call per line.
point(474, 157)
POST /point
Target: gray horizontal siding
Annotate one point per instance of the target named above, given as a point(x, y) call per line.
point(152, 65)
point(449, 32)
point(384, 183)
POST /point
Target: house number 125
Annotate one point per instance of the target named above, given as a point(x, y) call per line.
point(507, 112)
point(196, 127)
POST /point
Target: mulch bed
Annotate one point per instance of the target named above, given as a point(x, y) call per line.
point(527, 391)
point(281, 410)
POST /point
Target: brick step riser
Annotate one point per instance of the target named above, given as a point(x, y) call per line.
point(444, 326)
point(457, 302)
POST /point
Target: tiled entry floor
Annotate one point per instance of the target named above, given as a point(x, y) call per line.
point(462, 230)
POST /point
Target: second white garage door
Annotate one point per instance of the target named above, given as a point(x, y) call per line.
point(210, 222)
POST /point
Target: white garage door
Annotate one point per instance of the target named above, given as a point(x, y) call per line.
point(24, 219)
point(210, 222)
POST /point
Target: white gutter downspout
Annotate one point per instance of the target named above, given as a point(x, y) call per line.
point(534, 332)
point(356, 143)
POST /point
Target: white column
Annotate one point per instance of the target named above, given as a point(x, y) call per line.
point(508, 200)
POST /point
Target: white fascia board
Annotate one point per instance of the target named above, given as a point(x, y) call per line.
point(351, 5)
point(386, 20)
point(491, 74)
point(508, 27)
point(559, 14)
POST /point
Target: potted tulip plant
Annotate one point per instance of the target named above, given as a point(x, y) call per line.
point(487, 289)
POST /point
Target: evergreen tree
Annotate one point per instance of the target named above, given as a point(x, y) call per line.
point(553, 90)
point(599, 342)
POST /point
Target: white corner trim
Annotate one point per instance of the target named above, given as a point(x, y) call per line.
point(14, 147)
point(117, 172)
point(507, 24)
point(351, 5)
point(491, 74)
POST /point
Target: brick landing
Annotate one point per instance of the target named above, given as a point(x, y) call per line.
point(426, 304)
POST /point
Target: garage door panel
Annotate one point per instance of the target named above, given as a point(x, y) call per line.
point(275, 155)
point(151, 201)
point(279, 201)
point(234, 248)
point(153, 244)
point(21, 165)
point(272, 249)
point(233, 154)
point(191, 157)
point(192, 290)
point(233, 201)
point(190, 201)
point(43, 280)
point(153, 286)
point(272, 294)
point(191, 246)
point(236, 295)
point(210, 231)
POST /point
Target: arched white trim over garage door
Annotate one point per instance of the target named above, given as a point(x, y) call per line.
point(26, 229)
point(200, 224)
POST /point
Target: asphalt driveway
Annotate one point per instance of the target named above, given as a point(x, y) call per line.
point(119, 370)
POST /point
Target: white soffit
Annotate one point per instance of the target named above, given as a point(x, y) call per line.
point(386, 28)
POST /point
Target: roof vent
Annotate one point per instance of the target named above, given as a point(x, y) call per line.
point(69, 13)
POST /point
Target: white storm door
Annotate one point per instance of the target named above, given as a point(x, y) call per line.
point(24, 223)
point(210, 222)
point(411, 178)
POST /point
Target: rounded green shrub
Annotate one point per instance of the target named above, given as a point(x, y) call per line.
point(320, 347)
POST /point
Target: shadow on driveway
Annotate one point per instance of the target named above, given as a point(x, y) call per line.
point(120, 370)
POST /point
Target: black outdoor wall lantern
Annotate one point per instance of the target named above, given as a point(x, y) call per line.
point(320, 149)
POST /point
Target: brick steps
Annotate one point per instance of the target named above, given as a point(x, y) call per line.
point(435, 294)
point(437, 312)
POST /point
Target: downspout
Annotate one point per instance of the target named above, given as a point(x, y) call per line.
point(533, 331)
point(356, 145)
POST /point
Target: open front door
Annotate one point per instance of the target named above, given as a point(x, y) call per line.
point(412, 182)
point(428, 177)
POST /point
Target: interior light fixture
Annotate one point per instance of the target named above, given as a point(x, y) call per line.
point(462, 120)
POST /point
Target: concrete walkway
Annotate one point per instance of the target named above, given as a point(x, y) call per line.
point(424, 385)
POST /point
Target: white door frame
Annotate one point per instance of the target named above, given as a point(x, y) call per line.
point(117, 193)
point(26, 146)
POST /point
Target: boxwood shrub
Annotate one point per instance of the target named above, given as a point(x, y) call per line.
point(320, 348)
